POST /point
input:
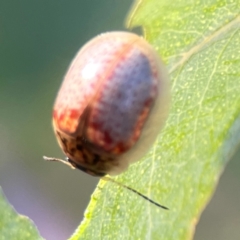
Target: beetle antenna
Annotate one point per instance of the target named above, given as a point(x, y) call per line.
point(105, 178)
point(59, 160)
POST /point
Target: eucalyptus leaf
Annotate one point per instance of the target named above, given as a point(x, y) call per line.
point(14, 226)
point(200, 43)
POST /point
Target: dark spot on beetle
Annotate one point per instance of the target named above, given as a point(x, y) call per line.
point(86, 170)
point(79, 147)
point(96, 159)
point(79, 139)
point(110, 159)
point(72, 151)
point(85, 157)
point(64, 140)
point(58, 133)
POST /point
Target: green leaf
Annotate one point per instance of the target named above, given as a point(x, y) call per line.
point(200, 43)
point(14, 226)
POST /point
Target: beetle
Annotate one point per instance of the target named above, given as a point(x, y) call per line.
point(111, 105)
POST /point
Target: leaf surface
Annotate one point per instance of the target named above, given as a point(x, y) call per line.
point(14, 226)
point(200, 43)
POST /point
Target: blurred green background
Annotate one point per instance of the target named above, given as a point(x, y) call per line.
point(38, 40)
